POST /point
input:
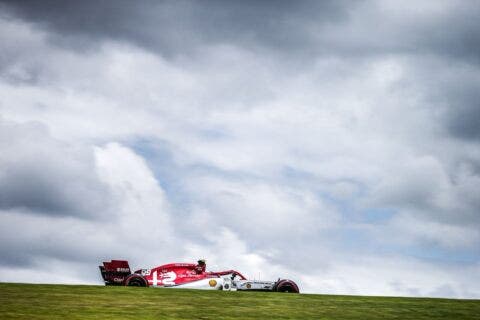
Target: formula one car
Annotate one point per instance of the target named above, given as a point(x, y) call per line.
point(188, 275)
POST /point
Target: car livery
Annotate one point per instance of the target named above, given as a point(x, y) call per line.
point(188, 275)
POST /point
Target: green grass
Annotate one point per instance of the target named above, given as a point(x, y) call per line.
point(30, 301)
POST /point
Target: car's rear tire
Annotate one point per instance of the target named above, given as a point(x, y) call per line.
point(135, 281)
point(286, 286)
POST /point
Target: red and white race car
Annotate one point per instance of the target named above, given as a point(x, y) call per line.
point(188, 275)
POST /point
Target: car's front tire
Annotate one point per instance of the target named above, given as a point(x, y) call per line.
point(286, 286)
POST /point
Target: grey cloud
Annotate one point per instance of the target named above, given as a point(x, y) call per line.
point(463, 115)
point(425, 187)
point(41, 175)
point(451, 89)
point(307, 28)
point(26, 240)
point(11, 257)
point(179, 27)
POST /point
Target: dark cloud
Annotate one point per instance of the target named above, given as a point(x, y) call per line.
point(180, 27)
point(451, 90)
point(13, 258)
point(41, 175)
point(463, 116)
point(306, 28)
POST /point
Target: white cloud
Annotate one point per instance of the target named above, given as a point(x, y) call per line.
point(225, 251)
point(143, 219)
point(134, 223)
point(260, 210)
point(394, 276)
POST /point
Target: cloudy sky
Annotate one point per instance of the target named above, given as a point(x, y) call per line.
point(336, 143)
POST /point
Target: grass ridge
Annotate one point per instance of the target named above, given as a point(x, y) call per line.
point(46, 301)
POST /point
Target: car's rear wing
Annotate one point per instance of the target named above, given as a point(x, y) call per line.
point(115, 272)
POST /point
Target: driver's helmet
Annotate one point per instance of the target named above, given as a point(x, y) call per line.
point(201, 266)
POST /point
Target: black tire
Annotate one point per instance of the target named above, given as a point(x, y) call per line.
point(136, 282)
point(286, 286)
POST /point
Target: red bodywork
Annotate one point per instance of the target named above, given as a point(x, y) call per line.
point(117, 272)
point(180, 273)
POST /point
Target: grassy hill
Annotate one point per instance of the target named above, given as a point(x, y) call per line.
point(30, 301)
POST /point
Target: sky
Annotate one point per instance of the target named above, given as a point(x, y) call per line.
point(335, 143)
